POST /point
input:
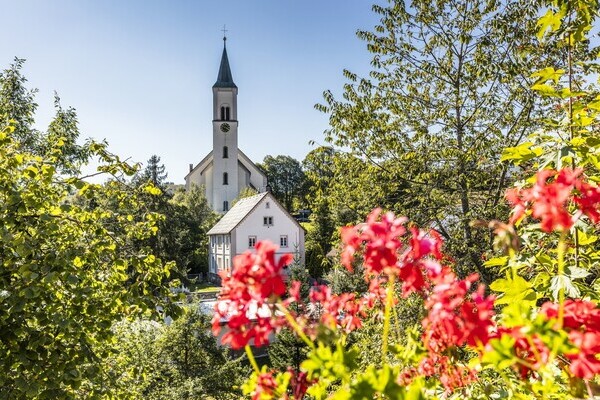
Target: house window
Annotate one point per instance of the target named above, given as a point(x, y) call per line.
point(283, 241)
point(251, 241)
point(225, 152)
point(268, 205)
point(225, 178)
point(225, 205)
point(268, 221)
point(219, 240)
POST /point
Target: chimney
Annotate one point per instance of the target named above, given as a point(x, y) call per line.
point(191, 167)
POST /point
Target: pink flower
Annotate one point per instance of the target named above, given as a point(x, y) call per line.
point(380, 239)
point(456, 318)
point(550, 197)
point(255, 283)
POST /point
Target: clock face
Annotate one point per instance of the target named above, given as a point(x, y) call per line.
point(225, 127)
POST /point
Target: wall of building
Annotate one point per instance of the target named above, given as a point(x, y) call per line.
point(283, 225)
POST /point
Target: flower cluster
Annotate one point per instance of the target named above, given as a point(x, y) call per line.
point(454, 317)
point(385, 252)
point(550, 197)
point(256, 282)
point(342, 311)
point(581, 320)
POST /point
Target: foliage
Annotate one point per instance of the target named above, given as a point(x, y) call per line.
point(17, 104)
point(424, 132)
point(187, 219)
point(68, 271)
point(286, 179)
point(179, 361)
point(153, 172)
point(537, 337)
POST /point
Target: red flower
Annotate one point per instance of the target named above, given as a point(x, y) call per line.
point(549, 199)
point(584, 360)
point(578, 314)
point(342, 311)
point(531, 349)
point(255, 282)
point(453, 318)
point(581, 319)
point(381, 240)
point(299, 383)
point(265, 386)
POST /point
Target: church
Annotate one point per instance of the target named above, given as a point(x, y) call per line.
point(226, 170)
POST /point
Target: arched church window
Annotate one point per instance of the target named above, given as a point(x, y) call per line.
point(226, 206)
point(222, 113)
point(225, 178)
point(225, 152)
point(227, 114)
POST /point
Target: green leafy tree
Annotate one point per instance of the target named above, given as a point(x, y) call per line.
point(179, 361)
point(64, 127)
point(187, 221)
point(285, 177)
point(17, 103)
point(449, 89)
point(68, 272)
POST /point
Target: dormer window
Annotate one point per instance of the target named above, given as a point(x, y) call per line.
point(225, 152)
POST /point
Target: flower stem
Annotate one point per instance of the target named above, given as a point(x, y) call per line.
point(251, 358)
point(561, 271)
point(295, 326)
point(386, 317)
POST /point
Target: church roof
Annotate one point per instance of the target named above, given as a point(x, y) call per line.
point(224, 79)
point(238, 212)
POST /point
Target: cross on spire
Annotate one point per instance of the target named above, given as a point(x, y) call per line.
point(224, 33)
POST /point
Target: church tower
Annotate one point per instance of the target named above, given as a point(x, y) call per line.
point(226, 170)
point(225, 137)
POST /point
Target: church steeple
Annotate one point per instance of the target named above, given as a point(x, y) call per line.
point(224, 79)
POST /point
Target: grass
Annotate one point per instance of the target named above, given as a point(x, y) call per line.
point(204, 287)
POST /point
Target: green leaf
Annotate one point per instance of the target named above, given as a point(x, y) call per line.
point(517, 289)
point(563, 282)
point(521, 153)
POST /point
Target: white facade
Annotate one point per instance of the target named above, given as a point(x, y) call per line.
point(226, 170)
point(253, 219)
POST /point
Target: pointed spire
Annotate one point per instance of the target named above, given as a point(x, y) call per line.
point(224, 79)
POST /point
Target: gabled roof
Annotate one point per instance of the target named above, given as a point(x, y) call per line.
point(224, 79)
point(202, 164)
point(236, 215)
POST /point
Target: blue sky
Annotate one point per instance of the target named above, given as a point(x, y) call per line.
point(140, 73)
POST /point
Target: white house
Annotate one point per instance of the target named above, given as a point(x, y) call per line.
point(226, 170)
point(252, 219)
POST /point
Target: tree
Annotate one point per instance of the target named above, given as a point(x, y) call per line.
point(448, 91)
point(153, 172)
point(17, 104)
point(188, 218)
point(64, 128)
point(178, 361)
point(285, 177)
point(68, 272)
